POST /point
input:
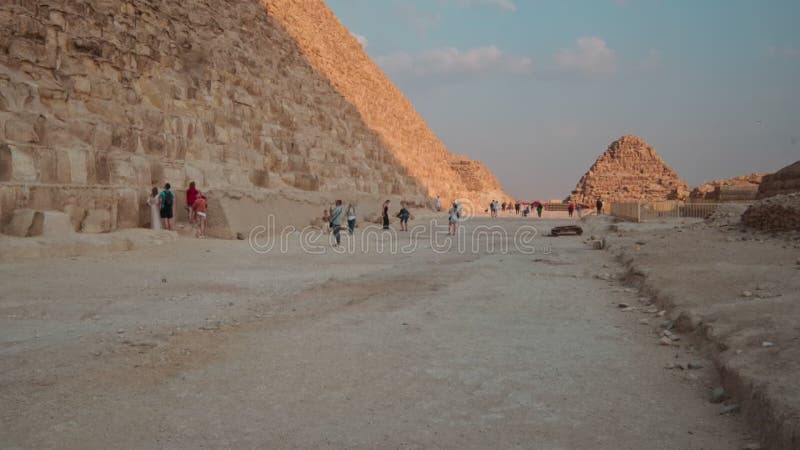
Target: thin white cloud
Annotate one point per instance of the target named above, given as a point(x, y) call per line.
point(449, 61)
point(422, 22)
point(361, 39)
point(591, 57)
point(784, 52)
point(653, 61)
point(505, 5)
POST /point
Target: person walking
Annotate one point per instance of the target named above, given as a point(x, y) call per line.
point(336, 221)
point(351, 218)
point(539, 208)
point(191, 196)
point(166, 210)
point(438, 203)
point(570, 209)
point(404, 215)
point(385, 215)
point(599, 205)
point(155, 204)
point(200, 208)
point(453, 220)
point(326, 217)
point(517, 206)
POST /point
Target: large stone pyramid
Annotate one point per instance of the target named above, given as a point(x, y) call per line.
point(629, 169)
point(269, 100)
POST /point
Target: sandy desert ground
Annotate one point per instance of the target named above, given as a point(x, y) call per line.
point(208, 344)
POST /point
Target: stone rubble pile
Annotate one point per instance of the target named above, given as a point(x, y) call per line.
point(776, 213)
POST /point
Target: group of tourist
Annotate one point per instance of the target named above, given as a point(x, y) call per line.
point(162, 211)
point(162, 208)
point(334, 214)
point(527, 208)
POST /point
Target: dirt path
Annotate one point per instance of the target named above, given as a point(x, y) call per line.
point(420, 350)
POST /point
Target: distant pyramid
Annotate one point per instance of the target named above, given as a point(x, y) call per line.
point(629, 169)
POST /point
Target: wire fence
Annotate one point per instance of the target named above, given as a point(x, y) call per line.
point(643, 211)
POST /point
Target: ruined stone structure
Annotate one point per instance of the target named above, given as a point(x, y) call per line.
point(784, 181)
point(100, 100)
point(629, 170)
point(739, 188)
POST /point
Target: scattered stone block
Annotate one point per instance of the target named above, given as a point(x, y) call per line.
point(97, 221)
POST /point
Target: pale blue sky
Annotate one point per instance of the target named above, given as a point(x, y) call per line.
point(537, 89)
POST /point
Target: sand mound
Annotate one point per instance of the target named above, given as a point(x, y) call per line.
point(778, 213)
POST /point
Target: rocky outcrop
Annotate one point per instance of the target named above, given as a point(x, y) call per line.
point(743, 187)
point(784, 181)
point(99, 101)
point(629, 169)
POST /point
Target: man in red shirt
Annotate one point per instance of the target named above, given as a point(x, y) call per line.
point(191, 197)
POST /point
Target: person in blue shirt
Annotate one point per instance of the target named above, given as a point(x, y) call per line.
point(166, 211)
point(453, 219)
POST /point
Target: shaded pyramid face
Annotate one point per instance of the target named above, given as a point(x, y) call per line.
point(629, 169)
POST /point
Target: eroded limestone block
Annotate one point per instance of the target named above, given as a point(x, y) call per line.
point(20, 224)
point(22, 131)
point(128, 207)
point(55, 224)
point(97, 221)
point(16, 164)
point(32, 223)
point(77, 165)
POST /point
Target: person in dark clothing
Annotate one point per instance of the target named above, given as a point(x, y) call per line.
point(336, 221)
point(386, 215)
point(599, 206)
point(516, 207)
point(571, 209)
point(166, 211)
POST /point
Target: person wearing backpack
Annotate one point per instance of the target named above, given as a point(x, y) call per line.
point(404, 215)
point(166, 212)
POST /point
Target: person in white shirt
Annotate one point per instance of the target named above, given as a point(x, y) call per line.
point(351, 218)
